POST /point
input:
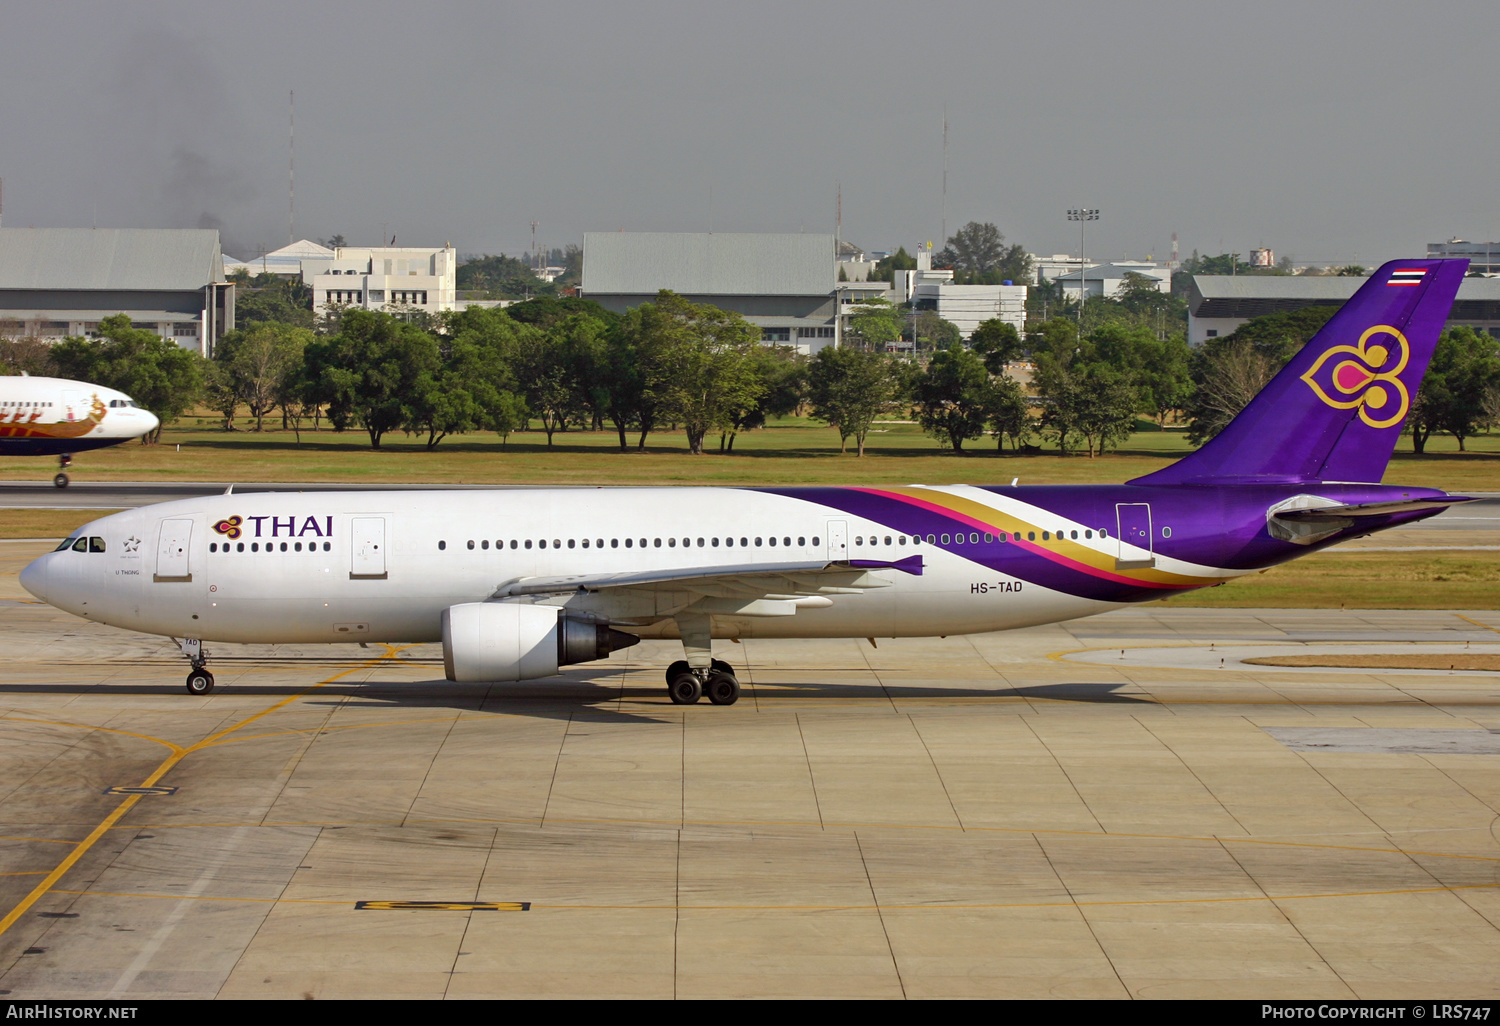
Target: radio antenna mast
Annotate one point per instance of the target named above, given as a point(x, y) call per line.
point(291, 169)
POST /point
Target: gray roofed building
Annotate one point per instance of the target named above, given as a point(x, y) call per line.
point(738, 264)
point(1219, 303)
point(62, 281)
point(783, 283)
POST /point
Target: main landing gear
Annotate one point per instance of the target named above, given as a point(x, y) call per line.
point(686, 685)
point(63, 463)
point(199, 681)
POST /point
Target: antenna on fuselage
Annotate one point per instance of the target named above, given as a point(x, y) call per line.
point(229, 490)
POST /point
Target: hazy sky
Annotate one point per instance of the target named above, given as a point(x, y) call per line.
point(1338, 130)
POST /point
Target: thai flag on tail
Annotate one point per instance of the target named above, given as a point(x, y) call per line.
point(1407, 276)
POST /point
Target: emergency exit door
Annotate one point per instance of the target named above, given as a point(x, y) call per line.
point(172, 548)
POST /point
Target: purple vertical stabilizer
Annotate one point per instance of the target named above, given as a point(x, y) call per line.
point(1335, 411)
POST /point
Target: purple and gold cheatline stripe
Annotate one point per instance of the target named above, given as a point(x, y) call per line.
point(1062, 565)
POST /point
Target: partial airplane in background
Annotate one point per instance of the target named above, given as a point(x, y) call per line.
point(517, 583)
point(57, 417)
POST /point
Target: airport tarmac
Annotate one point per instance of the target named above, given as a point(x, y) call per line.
point(1010, 815)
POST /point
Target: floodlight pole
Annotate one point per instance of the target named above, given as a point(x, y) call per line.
point(1082, 215)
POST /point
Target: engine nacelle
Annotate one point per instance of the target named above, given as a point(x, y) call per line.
point(514, 641)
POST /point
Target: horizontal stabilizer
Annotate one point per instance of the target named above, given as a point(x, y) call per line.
point(1370, 509)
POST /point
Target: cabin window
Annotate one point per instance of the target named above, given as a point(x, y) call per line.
point(1166, 532)
point(283, 546)
point(598, 543)
point(658, 542)
point(297, 547)
point(513, 543)
point(484, 544)
point(255, 546)
point(714, 542)
point(570, 543)
point(541, 543)
point(802, 541)
point(900, 539)
point(557, 543)
point(1002, 537)
point(772, 542)
point(671, 543)
point(1088, 534)
point(643, 542)
point(442, 545)
point(214, 547)
point(700, 543)
point(728, 542)
point(1030, 536)
point(585, 543)
point(629, 542)
point(328, 546)
point(471, 544)
point(614, 543)
point(1103, 533)
point(528, 543)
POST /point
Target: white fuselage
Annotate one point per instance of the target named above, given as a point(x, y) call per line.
point(45, 416)
point(366, 566)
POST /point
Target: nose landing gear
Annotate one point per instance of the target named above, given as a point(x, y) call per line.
point(199, 681)
point(63, 463)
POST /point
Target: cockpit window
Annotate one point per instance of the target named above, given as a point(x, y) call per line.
point(96, 544)
point(81, 545)
point(67, 543)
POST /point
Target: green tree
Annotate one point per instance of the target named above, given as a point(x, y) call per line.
point(978, 255)
point(886, 267)
point(1008, 412)
point(1460, 390)
point(269, 298)
point(929, 332)
point(377, 372)
point(712, 373)
point(997, 343)
point(1228, 372)
point(259, 361)
point(783, 376)
point(875, 326)
point(848, 389)
point(157, 373)
point(952, 397)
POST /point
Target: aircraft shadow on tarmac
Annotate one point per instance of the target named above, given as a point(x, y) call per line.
point(591, 695)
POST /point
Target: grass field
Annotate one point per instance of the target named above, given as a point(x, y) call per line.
point(789, 451)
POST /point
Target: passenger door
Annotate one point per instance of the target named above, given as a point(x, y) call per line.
point(838, 539)
point(367, 549)
point(1134, 522)
point(174, 544)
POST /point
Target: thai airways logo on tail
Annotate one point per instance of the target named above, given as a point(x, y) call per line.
point(1369, 379)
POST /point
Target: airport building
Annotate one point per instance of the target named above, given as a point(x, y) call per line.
point(1107, 279)
point(56, 282)
point(1483, 257)
point(285, 262)
point(396, 279)
point(1219, 303)
point(782, 283)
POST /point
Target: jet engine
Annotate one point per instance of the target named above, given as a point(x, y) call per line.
point(514, 641)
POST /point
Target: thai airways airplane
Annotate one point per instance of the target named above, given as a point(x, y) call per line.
point(517, 583)
point(57, 417)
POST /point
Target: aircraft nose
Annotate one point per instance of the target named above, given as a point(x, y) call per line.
point(34, 577)
point(151, 421)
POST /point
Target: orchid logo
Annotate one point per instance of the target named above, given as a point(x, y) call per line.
point(229, 527)
point(1369, 377)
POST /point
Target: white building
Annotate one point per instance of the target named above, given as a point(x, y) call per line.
point(1106, 279)
point(285, 262)
point(391, 278)
point(969, 306)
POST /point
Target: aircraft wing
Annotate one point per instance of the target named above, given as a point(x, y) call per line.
point(745, 589)
point(807, 577)
point(1371, 509)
